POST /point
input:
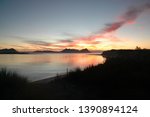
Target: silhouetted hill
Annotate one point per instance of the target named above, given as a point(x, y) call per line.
point(11, 51)
point(63, 51)
point(85, 50)
point(75, 51)
point(8, 51)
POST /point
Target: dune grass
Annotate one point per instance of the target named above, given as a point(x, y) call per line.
point(11, 84)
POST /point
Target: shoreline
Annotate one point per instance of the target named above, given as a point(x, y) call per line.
point(49, 79)
point(106, 54)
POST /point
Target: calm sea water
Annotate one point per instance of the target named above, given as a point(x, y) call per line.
point(40, 66)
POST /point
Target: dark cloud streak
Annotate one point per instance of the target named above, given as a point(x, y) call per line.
point(40, 43)
point(66, 41)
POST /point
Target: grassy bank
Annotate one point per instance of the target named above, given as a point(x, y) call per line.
point(12, 85)
point(125, 76)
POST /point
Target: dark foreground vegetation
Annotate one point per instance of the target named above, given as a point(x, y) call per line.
point(11, 84)
point(124, 75)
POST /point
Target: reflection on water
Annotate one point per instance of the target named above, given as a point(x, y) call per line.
point(38, 66)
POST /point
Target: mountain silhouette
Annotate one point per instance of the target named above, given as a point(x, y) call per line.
point(75, 51)
point(8, 51)
point(13, 51)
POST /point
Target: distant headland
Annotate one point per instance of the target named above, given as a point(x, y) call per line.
point(13, 51)
point(75, 51)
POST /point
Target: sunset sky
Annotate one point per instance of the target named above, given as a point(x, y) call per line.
point(29, 25)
